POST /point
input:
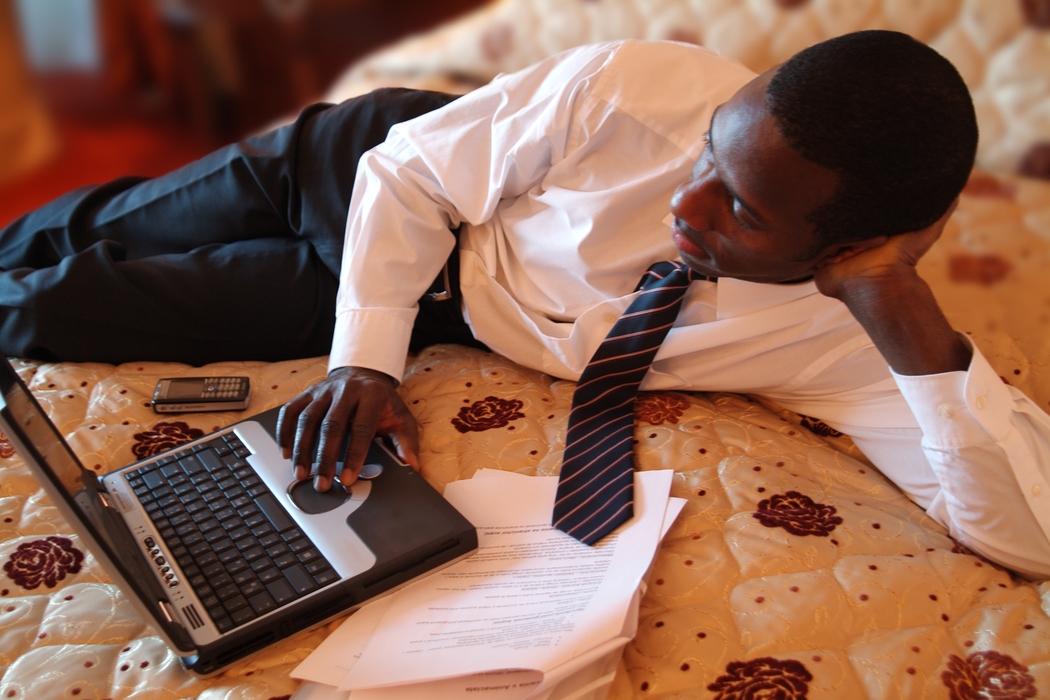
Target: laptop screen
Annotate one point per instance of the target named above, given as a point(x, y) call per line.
point(77, 493)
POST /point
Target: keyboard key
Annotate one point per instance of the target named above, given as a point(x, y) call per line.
point(255, 520)
point(316, 565)
point(277, 549)
point(309, 555)
point(236, 602)
point(239, 501)
point(285, 560)
point(267, 575)
point(221, 580)
point(239, 532)
point(261, 564)
point(225, 513)
point(264, 529)
point(227, 592)
point(274, 512)
point(257, 490)
point(223, 624)
point(262, 603)
point(301, 581)
point(206, 525)
point(254, 553)
point(215, 535)
point(270, 539)
point(186, 529)
point(245, 614)
point(293, 533)
point(326, 577)
point(153, 479)
point(206, 559)
point(281, 591)
point(196, 506)
point(178, 480)
point(243, 577)
point(211, 461)
point(170, 470)
point(213, 569)
point(237, 565)
point(251, 588)
point(300, 544)
point(229, 556)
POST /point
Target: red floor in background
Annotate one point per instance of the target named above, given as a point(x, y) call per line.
point(93, 153)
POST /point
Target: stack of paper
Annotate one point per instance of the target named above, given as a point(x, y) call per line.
point(533, 613)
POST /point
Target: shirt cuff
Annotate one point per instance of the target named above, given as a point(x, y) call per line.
point(956, 409)
point(372, 338)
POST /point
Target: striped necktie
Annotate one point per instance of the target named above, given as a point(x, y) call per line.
point(596, 486)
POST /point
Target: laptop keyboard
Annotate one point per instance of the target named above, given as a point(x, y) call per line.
point(236, 544)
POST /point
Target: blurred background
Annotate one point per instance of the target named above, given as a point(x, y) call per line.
point(95, 89)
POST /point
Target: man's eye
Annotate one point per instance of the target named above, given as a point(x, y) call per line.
point(738, 214)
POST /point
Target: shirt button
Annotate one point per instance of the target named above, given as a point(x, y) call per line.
point(944, 410)
point(981, 403)
point(610, 318)
point(1036, 490)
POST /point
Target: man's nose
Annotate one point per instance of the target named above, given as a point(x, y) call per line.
point(694, 202)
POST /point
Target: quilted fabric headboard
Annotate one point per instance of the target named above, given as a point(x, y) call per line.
point(1001, 48)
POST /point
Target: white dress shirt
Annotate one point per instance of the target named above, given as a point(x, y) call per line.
point(562, 174)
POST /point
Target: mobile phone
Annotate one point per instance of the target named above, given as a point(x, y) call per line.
point(194, 394)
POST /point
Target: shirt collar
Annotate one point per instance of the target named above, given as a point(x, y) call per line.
point(739, 298)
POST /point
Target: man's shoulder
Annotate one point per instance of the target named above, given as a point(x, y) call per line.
point(671, 87)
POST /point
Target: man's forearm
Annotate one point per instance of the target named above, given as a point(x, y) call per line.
point(907, 326)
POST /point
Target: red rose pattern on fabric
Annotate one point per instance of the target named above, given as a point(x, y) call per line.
point(1036, 13)
point(43, 561)
point(163, 436)
point(798, 514)
point(7, 450)
point(989, 186)
point(979, 269)
point(759, 679)
point(488, 414)
point(819, 427)
point(987, 675)
point(1036, 162)
point(657, 409)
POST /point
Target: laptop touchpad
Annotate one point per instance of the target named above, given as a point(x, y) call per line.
point(310, 500)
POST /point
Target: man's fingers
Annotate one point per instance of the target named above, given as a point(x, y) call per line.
point(306, 434)
point(287, 421)
point(405, 436)
point(362, 432)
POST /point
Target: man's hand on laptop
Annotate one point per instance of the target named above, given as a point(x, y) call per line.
point(361, 401)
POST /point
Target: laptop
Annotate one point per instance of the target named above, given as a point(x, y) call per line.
point(217, 545)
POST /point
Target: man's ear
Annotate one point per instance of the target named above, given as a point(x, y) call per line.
point(837, 252)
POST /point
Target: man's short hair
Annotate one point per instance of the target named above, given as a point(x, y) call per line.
point(891, 116)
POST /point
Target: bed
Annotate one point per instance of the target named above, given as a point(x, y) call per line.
point(858, 595)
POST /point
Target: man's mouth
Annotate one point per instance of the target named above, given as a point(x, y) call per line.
point(681, 234)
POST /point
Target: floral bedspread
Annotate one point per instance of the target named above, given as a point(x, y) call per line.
point(795, 568)
point(795, 571)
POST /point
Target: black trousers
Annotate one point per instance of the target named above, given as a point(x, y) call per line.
point(233, 257)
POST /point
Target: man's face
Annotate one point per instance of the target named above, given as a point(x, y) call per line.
point(743, 212)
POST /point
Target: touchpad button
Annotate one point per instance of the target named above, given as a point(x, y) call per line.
point(309, 500)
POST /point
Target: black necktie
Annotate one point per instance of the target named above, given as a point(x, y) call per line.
point(596, 486)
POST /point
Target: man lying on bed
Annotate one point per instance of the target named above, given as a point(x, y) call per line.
point(808, 192)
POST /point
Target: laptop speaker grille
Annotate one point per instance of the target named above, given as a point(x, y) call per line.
point(190, 611)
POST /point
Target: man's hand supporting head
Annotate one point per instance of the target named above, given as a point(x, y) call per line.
point(877, 280)
point(352, 401)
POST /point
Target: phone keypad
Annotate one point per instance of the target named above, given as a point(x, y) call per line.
point(225, 387)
